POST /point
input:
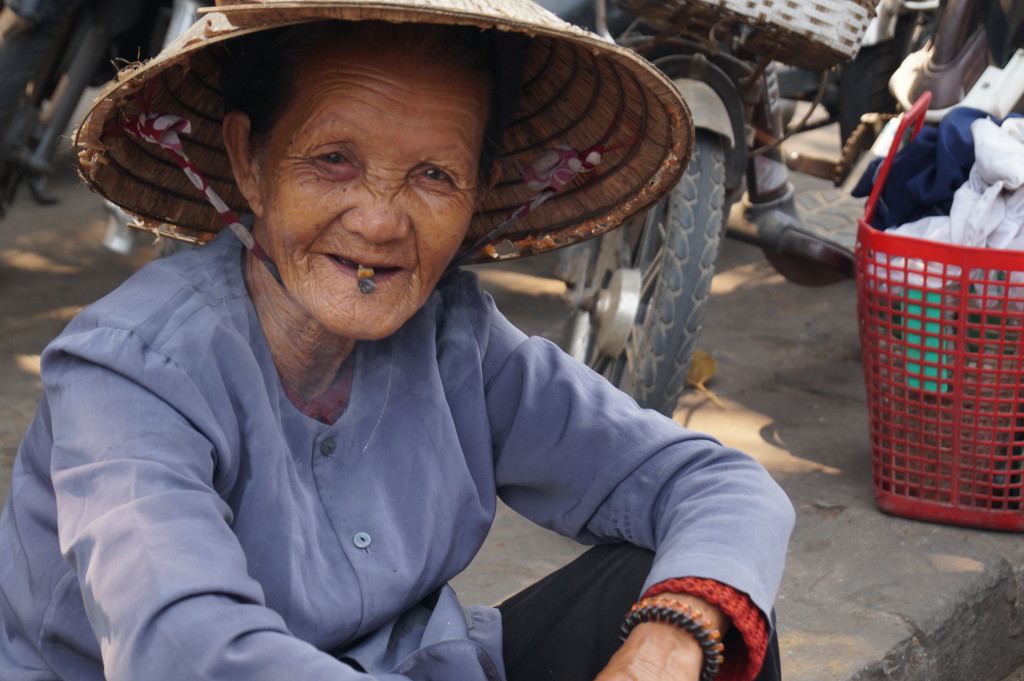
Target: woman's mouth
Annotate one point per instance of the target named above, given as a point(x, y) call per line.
point(368, 275)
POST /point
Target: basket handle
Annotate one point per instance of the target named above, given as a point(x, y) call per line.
point(915, 116)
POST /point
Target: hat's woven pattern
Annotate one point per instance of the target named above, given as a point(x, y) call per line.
point(809, 34)
point(578, 91)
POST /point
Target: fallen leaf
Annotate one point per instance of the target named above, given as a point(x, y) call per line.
point(702, 369)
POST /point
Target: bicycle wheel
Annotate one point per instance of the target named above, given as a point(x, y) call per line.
point(648, 284)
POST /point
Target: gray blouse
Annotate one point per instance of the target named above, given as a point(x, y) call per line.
point(173, 516)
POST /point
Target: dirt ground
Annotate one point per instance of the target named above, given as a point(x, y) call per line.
point(51, 265)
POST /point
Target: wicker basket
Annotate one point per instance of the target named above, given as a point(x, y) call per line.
point(809, 34)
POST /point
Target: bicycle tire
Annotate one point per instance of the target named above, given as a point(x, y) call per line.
point(666, 333)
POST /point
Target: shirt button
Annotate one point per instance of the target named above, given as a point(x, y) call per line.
point(327, 446)
point(361, 540)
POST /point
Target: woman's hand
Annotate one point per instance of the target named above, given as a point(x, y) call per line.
point(659, 651)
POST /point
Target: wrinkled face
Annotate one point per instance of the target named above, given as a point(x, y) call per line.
point(373, 163)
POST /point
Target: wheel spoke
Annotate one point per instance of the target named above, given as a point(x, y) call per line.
point(581, 335)
point(614, 371)
point(650, 276)
point(624, 364)
point(629, 353)
point(651, 241)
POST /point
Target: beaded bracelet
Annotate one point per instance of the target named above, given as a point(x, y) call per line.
point(686, 618)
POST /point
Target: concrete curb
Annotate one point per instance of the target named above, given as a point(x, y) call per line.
point(866, 596)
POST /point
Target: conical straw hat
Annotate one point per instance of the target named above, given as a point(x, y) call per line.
point(578, 92)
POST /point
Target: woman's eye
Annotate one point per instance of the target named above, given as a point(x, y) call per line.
point(437, 175)
point(334, 158)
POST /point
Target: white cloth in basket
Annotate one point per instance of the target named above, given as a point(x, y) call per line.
point(987, 212)
point(988, 209)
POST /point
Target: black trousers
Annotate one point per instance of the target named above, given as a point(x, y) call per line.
point(566, 626)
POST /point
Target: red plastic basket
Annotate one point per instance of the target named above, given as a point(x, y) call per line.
point(942, 335)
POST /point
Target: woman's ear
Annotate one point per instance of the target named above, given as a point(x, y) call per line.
point(491, 184)
point(243, 166)
point(495, 174)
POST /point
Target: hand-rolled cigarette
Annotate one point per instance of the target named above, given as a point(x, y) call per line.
point(364, 275)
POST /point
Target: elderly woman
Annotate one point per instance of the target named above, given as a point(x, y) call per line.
point(264, 458)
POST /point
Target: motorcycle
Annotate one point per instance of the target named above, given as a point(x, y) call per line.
point(861, 86)
point(973, 57)
point(975, 60)
point(50, 56)
point(639, 293)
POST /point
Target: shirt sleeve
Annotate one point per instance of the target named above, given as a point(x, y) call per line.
point(139, 518)
point(578, 456)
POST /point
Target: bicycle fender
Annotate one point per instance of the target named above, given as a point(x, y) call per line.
point(707, 108)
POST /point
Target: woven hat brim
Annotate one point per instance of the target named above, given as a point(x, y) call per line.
point(578, 91)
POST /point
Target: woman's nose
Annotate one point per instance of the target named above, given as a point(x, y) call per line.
point(379, 217)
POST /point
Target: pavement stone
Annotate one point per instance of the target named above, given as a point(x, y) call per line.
point(866, 596)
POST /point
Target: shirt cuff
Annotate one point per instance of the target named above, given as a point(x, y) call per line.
point(744, 653)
